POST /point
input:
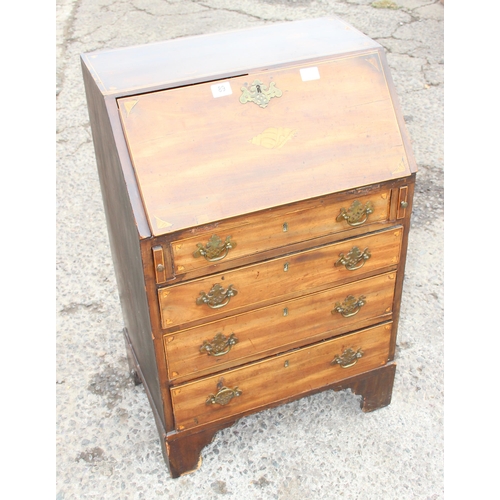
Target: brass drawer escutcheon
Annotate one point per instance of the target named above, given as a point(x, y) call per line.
point(348, 358)
point(355, 259)
point(223, 396)
point(217, 297)
point(219, 345)
point(215, 249)
point(357, 213)
point(259, 93)
point(350, 307)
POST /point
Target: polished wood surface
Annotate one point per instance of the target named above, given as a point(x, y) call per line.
point(279, 377)
point(181, 158)
point(292, 224)
point(190, 150)
point(284, 326)
point(277, 279)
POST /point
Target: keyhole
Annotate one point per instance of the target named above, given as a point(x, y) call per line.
point(258, 89)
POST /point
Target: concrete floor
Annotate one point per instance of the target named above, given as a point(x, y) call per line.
point(319, 447)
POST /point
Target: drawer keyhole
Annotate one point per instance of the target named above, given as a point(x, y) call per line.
point(285, 267)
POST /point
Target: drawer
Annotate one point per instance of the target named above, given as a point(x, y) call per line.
point(278, 228)
point(224, 293)
point(246, 337)
point(278, 378)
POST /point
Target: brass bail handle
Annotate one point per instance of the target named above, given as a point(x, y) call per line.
point(217, 297)
point(219, 345)
point(215, 249)
point(348, 358)
point(350, 307)
point(356, 214)
point(223, 396)
point(355, 259)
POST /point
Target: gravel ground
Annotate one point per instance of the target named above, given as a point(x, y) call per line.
point(322, 446)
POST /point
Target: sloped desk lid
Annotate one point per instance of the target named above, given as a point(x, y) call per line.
point(204, 153)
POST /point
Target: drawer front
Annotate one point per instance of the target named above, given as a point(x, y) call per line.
point(227, 292)
point(281, 377)
point(246, 337)
point(230, 241)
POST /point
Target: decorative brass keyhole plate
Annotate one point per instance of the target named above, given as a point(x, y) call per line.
point(259, 93)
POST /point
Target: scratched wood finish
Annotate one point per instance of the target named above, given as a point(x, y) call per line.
point(280, 327)
point(201, 159)
point(279, 377)
point(275, 279)
point(273, 231)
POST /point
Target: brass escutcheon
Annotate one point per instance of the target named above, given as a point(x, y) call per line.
point(357, 213)
point(350, 307)
point(223, 396)
point(215, 249)
point(348, 358)
point(355, 259)
point(217, 297)
point(219, 345)
point(259, 93)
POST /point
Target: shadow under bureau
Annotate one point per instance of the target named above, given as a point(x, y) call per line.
point(257, 186)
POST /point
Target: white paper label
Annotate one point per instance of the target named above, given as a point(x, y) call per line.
point(221, 89)
point(309, 74)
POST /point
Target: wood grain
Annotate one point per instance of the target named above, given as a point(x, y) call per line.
point(279, 377)
point(284, 326)
point(269, 281)
point(290, 225)
point(197, 160)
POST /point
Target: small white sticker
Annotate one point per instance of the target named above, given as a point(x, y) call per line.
point(309, 74)
point(221, 89)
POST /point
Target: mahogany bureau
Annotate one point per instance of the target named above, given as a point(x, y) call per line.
point(257, 186)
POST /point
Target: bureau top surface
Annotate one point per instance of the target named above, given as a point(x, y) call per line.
point(198, 58)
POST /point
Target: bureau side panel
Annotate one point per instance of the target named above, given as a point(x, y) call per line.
point(123, 237)
point(403, 218)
